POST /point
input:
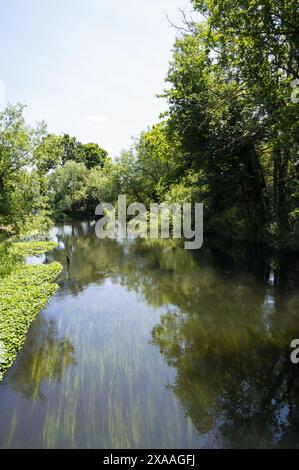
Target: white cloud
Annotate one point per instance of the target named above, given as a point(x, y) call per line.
point(92, 120)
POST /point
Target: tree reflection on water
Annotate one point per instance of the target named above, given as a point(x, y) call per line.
point(231, 315)
point(43, 360)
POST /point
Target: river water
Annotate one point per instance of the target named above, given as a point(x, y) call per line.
point(146, 344)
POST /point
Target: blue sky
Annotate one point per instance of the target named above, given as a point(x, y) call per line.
point(90, 68)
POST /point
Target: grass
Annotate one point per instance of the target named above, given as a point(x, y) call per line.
point(24, 291)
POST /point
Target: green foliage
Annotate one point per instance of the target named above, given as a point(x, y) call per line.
point(8, 259)
point(230, 108)
point(22, 295)
point(49, 153)
point(90, 154)
point(67, 189)
point(16, 140)
point(145, 172)
point(55, 151)
point(23, 249)
point(93, 155)
point(69, 171)
point(30, 160)
point(22, 187)
point(104, 184)
point(191, 188)
point(11, 253)
point(229, 138)
point(24, 290)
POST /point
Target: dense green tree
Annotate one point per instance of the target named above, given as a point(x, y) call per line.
point(56, 150)
point(48, 155)
point(231, 111)
point(90, 154)
point(20, 194)
point(93, 155)
point(256, 43)
point(67, 190)
point(219, 133)
point(145, 172)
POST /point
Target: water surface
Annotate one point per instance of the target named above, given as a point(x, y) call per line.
point(147, 345)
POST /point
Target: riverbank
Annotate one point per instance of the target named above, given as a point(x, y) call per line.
point(24, 291)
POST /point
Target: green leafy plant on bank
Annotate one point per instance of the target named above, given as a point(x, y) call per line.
point(24, 291)
point(32, 248)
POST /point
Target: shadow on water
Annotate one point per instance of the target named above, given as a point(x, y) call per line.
point(146, 344)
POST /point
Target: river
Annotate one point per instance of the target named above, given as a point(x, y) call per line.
point(148, 345)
